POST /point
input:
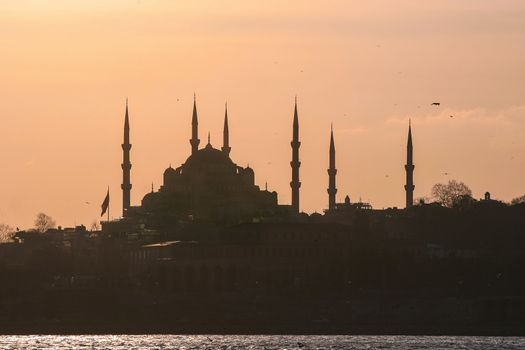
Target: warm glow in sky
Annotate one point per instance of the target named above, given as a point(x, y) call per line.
point(66, 68)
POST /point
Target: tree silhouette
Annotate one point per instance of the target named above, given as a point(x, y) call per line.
point(422, 200)
point(6, 233)
point(94, 226)
point(518, 200)
point(44, 222)
point(449, 194)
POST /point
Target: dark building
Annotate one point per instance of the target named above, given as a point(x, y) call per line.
point(207, 187)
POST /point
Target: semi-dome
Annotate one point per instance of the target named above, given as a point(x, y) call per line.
point(169, 171)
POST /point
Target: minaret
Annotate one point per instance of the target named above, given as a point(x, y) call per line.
point(295, 163)
point(409, 167)
point(226, 134)
point(126, 166)
point(194, 128)
point(332, 171)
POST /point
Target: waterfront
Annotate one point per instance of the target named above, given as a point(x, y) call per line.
point(232, 342)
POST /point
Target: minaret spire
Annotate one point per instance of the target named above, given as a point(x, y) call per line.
point(409, 168)
point(295, 184)
point(226, 133)
point(332, 171)
point(126, 166)
point(194, 128)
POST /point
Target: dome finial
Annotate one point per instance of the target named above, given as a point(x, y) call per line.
point(209, 143)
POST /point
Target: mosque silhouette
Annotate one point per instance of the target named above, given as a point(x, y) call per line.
point(210, 187)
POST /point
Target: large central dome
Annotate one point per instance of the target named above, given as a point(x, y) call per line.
point(209, 155)
point(210, 169)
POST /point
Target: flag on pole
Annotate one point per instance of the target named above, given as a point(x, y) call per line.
point(105, 204)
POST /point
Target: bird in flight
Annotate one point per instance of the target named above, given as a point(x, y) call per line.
point(435, 104)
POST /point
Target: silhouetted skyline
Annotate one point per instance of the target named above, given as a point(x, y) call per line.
point(367, 68)
point(209, 186)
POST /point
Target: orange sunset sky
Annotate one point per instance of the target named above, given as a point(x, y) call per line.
point(66, 68)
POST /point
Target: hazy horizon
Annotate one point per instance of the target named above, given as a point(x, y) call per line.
point(67, 68)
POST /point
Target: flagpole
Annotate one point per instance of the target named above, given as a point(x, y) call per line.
point(108, 203)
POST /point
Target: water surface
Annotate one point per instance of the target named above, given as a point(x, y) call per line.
point(233, 342)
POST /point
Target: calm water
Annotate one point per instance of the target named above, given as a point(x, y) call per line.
point(231, 342)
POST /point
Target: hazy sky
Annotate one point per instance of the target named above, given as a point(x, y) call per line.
point(66, 68)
